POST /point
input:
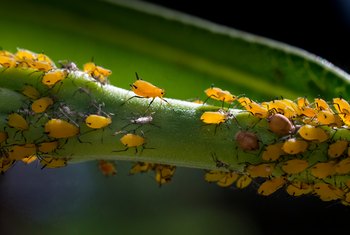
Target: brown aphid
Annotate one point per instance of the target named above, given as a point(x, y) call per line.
point(247, 141)
point(280, 125)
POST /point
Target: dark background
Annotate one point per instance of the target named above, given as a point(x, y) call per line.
point(320, 27)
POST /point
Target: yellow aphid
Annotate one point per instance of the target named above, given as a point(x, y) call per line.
point(308, 112)
point(164, 173)
point(146, 89)
point(57, 128)
point(3, 136)
point(48, 147)
point(312, 133)
point(18, 122)
point(343, 166)
point(18, 152)
point(299, 188)
point(23, 55)
point(279, 106)
point(262, 170)
point(337, 148)
point(294, 146)
point(292, 105)
point(31, 92)
point(323, 170)
point(7, 61)
point(228, 179)
point(99, 73)
point(219, 94)
point(97, 122)
point(270, 186)
point(325, 117)
point(321, 104)
point(273, 152)
point(53, 162)
point(5, 164)
point(302, 102)
point(243, 181)
point(295, 166)
point(217, 117)
point(253, 107)
point(41, 105)
point(214, 175)
point(141, 167)
point(328, 192)
point(131, 140)
point(30, 159)
point(108, 168)
point(341, 105)
point(52, 77)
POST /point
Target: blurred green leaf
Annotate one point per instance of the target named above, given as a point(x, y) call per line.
point(182, 54)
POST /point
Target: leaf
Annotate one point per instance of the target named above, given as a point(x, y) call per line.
point(182, 54)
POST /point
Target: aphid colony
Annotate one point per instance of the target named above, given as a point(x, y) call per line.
point(62, 123)
point(302, 131)
point(300, 127)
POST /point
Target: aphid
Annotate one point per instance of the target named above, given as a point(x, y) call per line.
point(53, 162)
point(243, 181)
point(144, 89)
point(43, 63)
point(295, 166)
point(214, 175)
point(228, 179)
point(328, 192)
point(132, 140)
point(298, 188)
point(30, 159)
point(108, 168)
point(323, 170)
point(68, 65)
point(23, 55)
point(302, 102)
point(5, 164)
point(294, 146)
point(321, 104)
point(210, 117)
point(281, 107)
point(343, 166)
point(262, 170)
point(18, 122)
point(270, 186)
point(272, 152)
point(48, 147)
point(218, 163)
point(52, 77)
point(97, 122)
point(99, 73)
point(41, 105)
point(164, 173)
point(141, 167)
point(7, 59)
point(341, 105)
point(219, 94)
point(18, 152)
point(337, 148)
point(31, 92)
point(280, 125)
point(247, 141)
point(312, 133)
point(3, 136)
point(254, 108)
point(326, 117)
point(57, 128)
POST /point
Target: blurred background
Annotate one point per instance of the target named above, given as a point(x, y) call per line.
point(78, 199)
